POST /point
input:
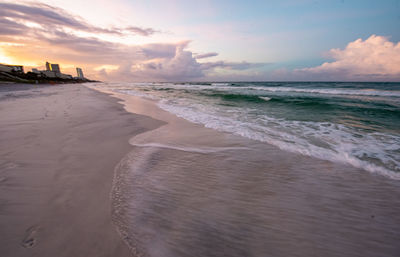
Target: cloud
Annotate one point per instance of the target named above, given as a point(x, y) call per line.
point(376, 58)
point(141, 31)
point(49, 17)
point(163, 66)
point(234, 65)
point(162, 50)
point(50, 33)
point(8, 27)
point(206, 55)
point(182, 66)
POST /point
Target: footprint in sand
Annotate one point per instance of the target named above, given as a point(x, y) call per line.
point(30, 238)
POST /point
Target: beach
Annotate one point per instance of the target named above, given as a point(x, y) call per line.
point(59, 146)
point(87, 173)
point(199, 128)
point(188, 190)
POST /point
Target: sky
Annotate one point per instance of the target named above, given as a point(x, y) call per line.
point(220, 40)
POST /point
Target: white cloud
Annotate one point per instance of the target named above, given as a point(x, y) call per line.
point(373, 59)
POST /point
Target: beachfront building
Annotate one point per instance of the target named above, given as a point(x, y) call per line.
point(79, 73)
point(53, 67)
point(52, 71)
point(11, 68)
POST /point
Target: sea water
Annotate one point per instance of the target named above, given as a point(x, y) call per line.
point(261, 169)
point(351, 123)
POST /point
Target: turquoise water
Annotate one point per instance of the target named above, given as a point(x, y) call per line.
point(352, 123)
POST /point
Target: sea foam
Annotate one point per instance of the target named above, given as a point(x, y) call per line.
point(374, 151)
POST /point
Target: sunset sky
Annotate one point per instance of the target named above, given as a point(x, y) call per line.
point(174, 40)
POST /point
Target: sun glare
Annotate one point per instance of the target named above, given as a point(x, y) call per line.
point(5, 59)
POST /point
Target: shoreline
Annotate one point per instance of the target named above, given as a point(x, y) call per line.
point(87, 173)
point(60, 145)
point(204, 192)
point(317, 141)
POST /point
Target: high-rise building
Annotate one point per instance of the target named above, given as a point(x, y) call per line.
point(53, 67)
point(79, 73)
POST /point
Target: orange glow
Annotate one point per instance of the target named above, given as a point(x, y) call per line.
point(4, 58)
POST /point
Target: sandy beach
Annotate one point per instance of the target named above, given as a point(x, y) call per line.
point(199, 128)
point(58, 149)
point(84, 173)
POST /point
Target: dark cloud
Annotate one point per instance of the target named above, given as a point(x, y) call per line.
point(42, 14)
point(160, 50)
point(141, 31)
point(8, 27)
point(206, 55)
point(52, 17)
point(243, 65)
point(232, 65)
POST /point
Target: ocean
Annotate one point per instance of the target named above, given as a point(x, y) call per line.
point(261, 169)
point(353, 123)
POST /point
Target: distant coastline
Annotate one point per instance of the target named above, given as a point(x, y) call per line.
point(28, 79)
point(52, 75)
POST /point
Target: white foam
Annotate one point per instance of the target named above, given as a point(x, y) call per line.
point(228, 87)
point(373, 152)
point(326, 141)
point(362, 92)
point(220, 84)
point(265, 98)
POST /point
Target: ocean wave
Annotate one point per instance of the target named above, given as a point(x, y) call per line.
point(220, 84)
point(265, 98)
point(277, 89)
point(364, 136)
point(322, 140)
point(342, 91)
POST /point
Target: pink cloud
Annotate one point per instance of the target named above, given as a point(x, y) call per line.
point(58, 37)
point(373, 59)
point(177, 65)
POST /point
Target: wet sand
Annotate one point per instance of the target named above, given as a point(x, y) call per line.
point(59, 146)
